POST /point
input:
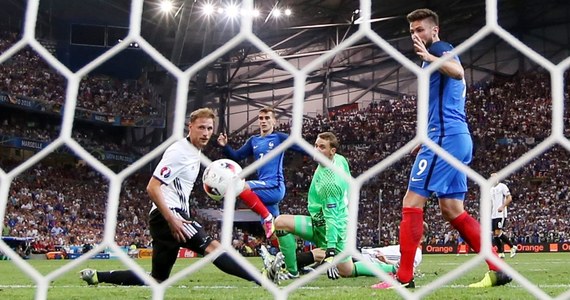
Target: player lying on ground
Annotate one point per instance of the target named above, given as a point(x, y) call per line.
point(391, 255)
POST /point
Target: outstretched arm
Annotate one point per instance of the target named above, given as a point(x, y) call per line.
point(294, 147)
point(381, 257)
point(237, 155)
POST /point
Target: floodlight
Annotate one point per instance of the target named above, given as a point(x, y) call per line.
point(232, 10)
point(277, 13)
point(208, 9)
point(166, 6)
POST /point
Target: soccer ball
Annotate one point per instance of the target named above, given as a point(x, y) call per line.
point(218, 177)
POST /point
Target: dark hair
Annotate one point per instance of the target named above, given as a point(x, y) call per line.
point(421, 14)
point(329, 136)
point(202, 113)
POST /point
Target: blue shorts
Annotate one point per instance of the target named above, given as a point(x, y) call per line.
point(431, 174)
point(269, 192)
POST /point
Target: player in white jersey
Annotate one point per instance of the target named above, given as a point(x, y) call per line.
point(171, 225)
point(391, 255)
point(500, 199)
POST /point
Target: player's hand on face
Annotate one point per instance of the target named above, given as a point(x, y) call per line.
point(420, 48)
point(222, 139)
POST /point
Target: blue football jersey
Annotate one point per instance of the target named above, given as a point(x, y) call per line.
point(258, 146)
point(446, 99)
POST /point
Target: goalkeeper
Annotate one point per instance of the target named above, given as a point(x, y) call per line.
point(328, 209)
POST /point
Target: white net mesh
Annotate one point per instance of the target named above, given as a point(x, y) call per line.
point(300, 75)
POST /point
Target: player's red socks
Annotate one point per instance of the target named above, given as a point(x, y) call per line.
point(254, 203)
point(274, 241)
point(470, 230)
point(411, 231)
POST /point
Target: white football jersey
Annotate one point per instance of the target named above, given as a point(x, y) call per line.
point(178, 170)
point(391, 252)
point(498, 195)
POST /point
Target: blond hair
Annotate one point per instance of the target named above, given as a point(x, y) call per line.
point(202, 113)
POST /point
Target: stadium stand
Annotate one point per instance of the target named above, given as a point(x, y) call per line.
point(26, 74)
point(60, 205)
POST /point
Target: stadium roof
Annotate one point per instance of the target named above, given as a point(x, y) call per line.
point(320, 17)
point(185, 36)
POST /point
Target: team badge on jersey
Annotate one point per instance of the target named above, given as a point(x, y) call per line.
point(165, 172)
point(271, 144)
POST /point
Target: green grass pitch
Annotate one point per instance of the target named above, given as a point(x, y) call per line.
point(550, 271)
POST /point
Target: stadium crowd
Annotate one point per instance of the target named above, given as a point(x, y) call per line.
point(508, 117)
point(26, 74)
point(93, 138)
point(66, 207)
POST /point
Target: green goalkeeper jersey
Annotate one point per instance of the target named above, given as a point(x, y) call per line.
point(328, 202)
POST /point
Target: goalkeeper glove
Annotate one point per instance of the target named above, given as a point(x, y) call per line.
point(332, 271)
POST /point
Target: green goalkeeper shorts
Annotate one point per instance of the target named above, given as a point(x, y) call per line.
point(317, 234)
